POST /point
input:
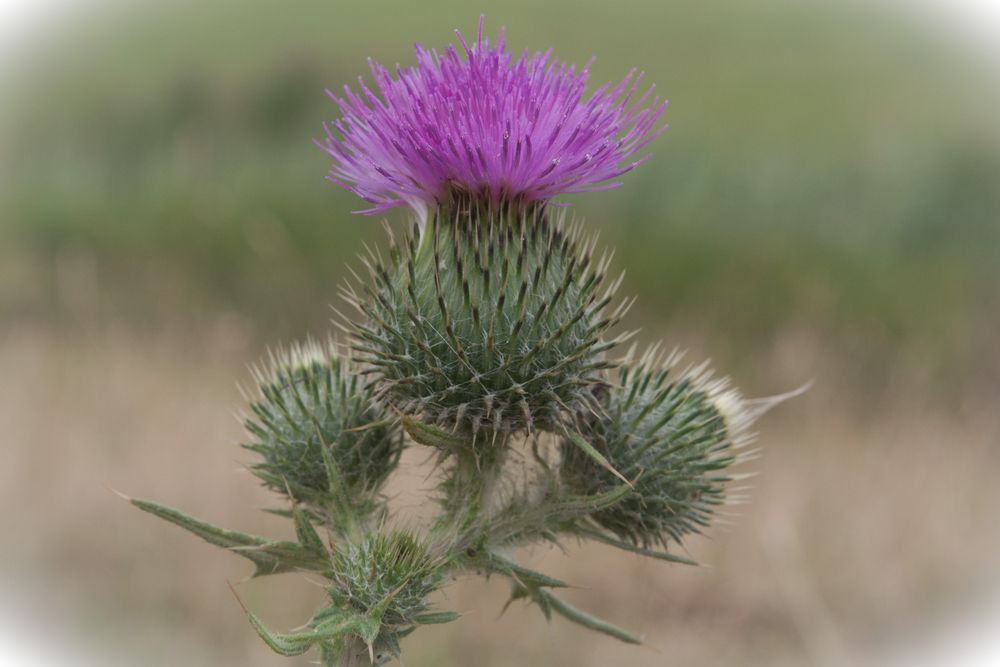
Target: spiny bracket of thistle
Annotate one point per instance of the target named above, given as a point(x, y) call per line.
point(676, 433)
point(490, 322)
point(321, 436)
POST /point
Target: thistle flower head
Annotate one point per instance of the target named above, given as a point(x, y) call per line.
point(479, 121)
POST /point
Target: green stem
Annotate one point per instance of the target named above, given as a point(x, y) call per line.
point(355, 653)
point(472, 490)
point(490, 476)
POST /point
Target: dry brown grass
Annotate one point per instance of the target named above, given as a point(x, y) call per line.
point(859, 531)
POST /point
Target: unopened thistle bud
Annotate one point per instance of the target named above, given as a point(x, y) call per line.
point(392, 572)
point(674, 437)
point(313, 410)
point(379, 592)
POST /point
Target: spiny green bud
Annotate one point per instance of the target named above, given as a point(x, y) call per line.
point(488, 320)
point(674, 438)
point(387, 576)
point(313, 410)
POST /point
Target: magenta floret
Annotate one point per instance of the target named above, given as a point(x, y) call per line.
point(479, 122)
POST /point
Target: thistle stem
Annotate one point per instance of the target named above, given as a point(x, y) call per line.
point(490, 482)
point(355, 653)
point(483, 472)
point(472, 493)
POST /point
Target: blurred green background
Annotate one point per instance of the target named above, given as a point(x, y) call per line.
point(825, 206)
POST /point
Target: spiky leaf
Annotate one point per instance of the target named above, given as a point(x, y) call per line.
point(270, 556)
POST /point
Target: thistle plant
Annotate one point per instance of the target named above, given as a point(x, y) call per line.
point(486, 335)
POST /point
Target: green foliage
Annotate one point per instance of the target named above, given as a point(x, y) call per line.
point(674, 438)
point(487, 321)
point(270, 556)
point(339, 634)
point(485, 326)
point(548, 603)
point(311, 406)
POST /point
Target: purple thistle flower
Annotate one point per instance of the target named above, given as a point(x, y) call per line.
point(487, 125)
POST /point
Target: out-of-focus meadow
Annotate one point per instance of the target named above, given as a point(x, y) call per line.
point(825, 206)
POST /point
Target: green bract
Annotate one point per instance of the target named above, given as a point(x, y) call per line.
point(488, 320)
point(674, 437)
point(311, 406)
point(389, 572)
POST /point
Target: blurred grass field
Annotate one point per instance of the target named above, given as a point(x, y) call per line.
point(824, 206)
